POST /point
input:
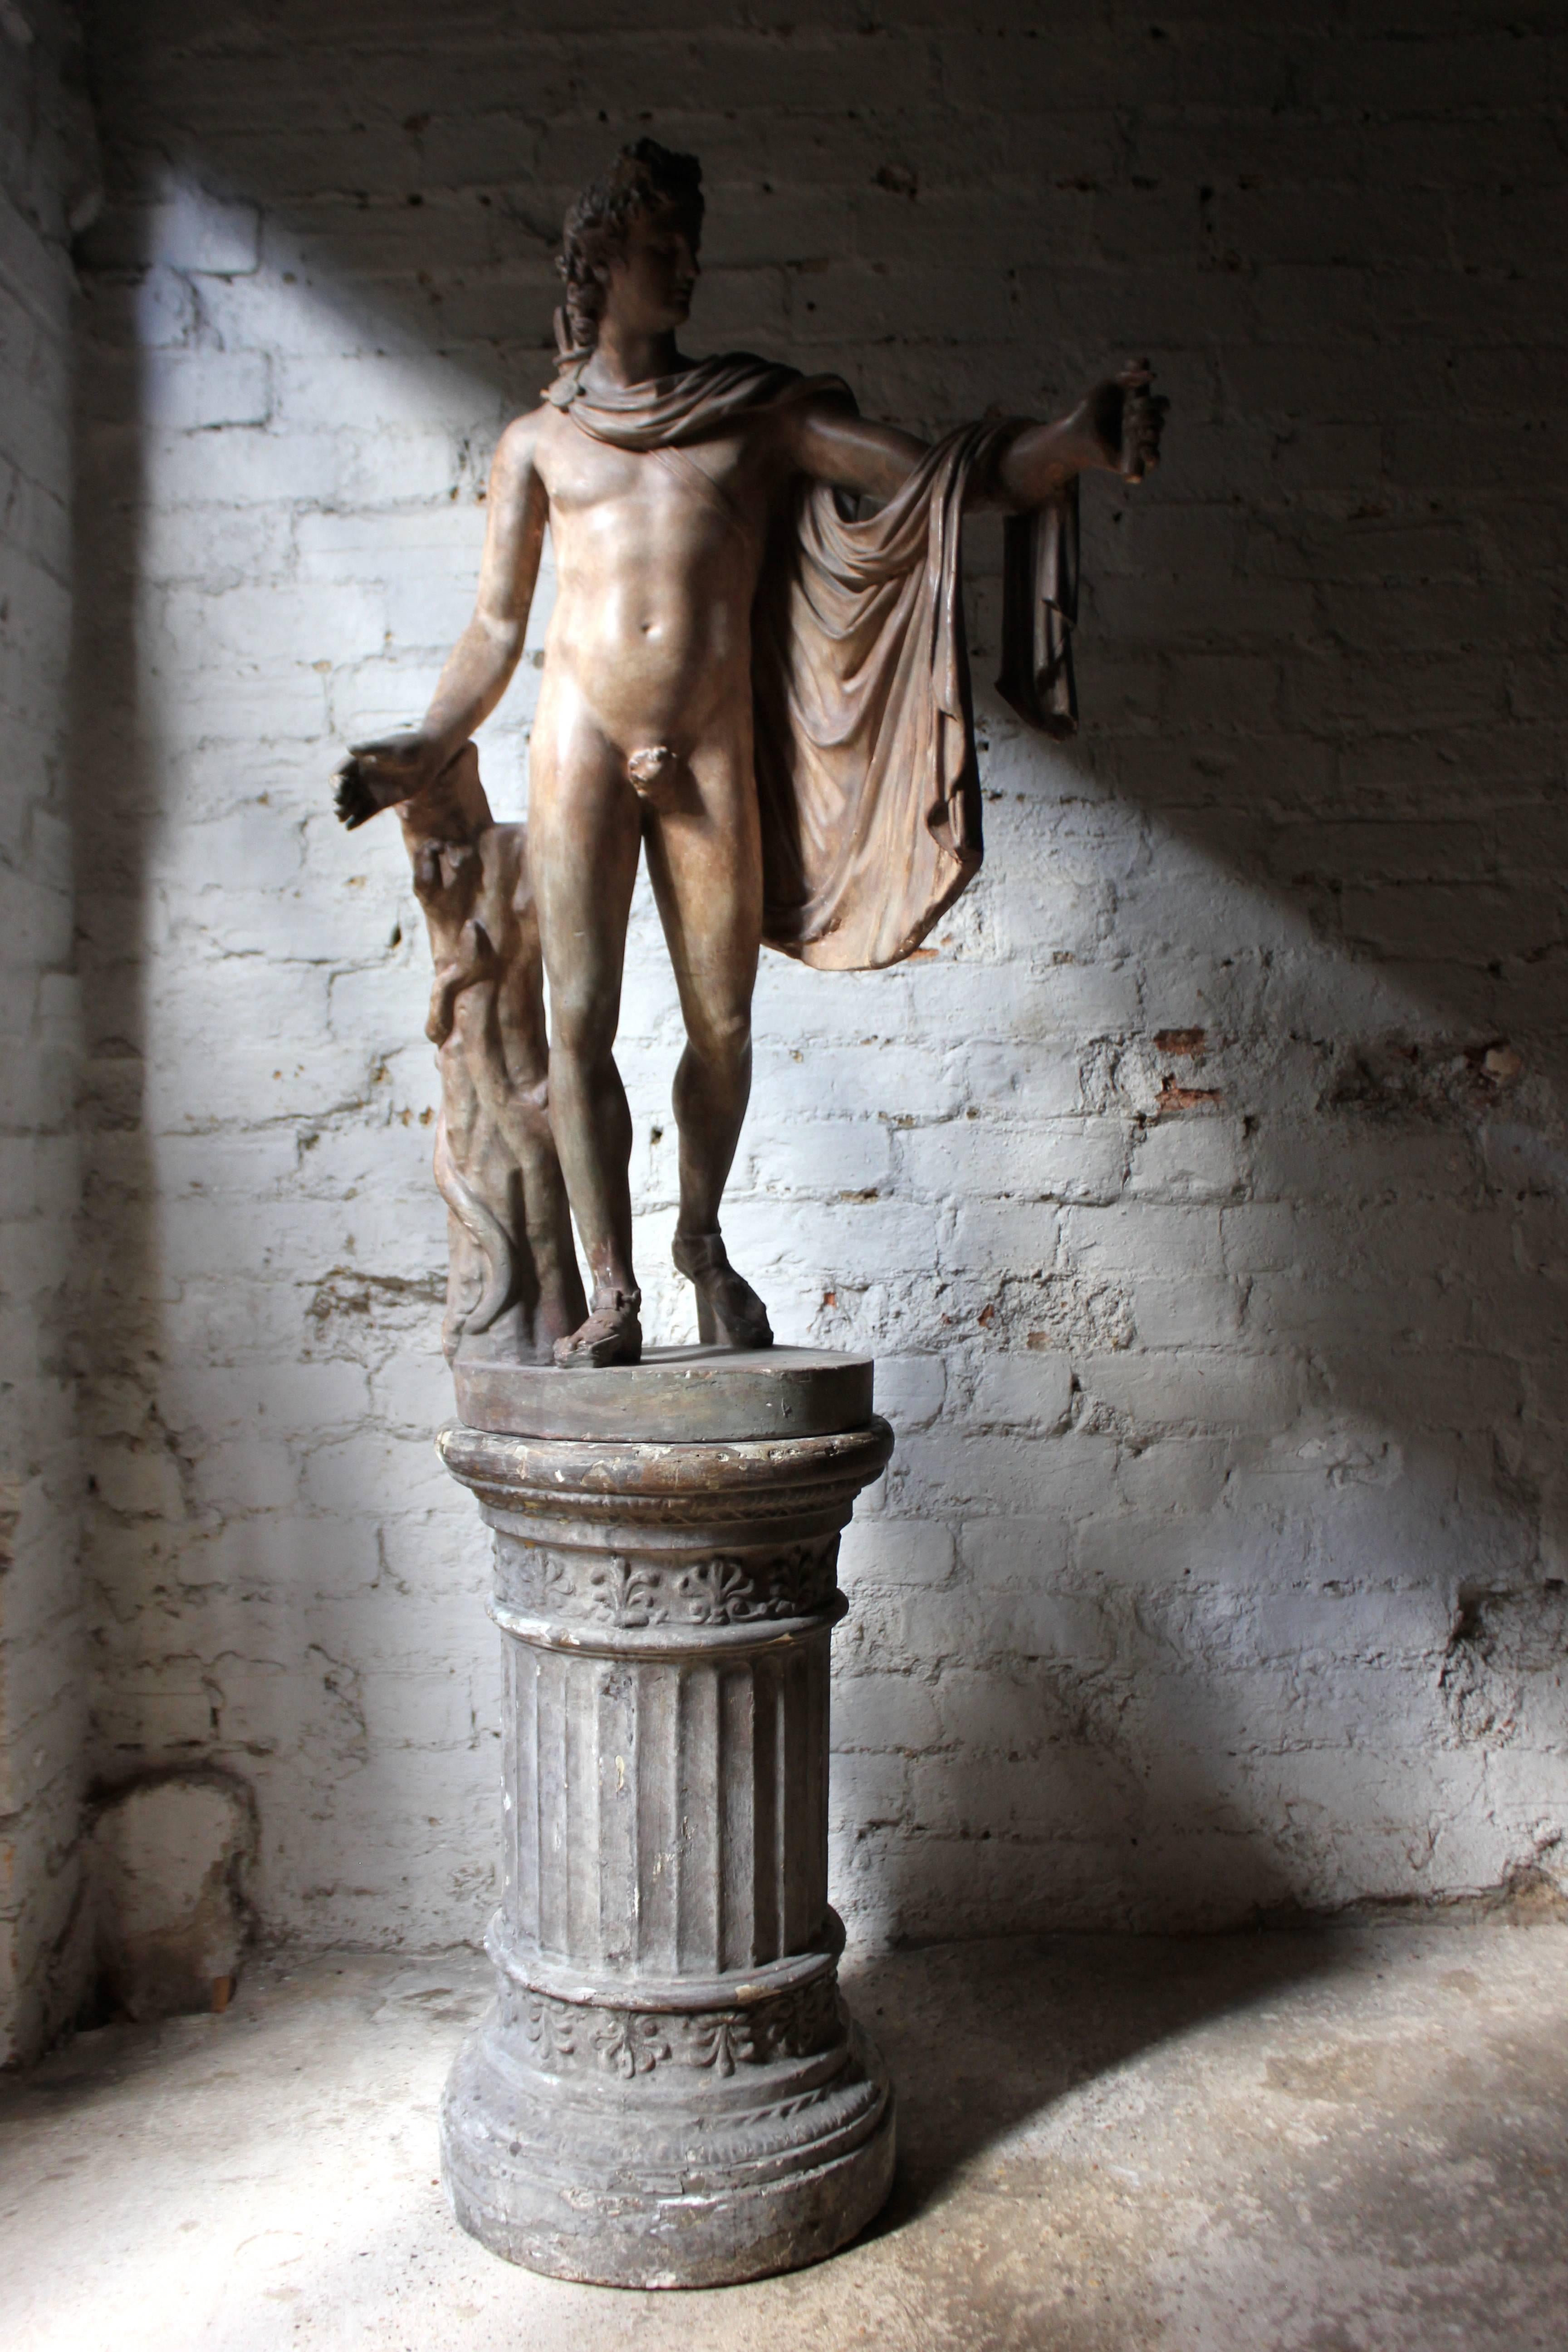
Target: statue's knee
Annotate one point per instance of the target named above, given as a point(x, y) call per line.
point(722, 1039)
point(581, 1031)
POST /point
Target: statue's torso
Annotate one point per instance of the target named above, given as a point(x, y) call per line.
point(658, 555)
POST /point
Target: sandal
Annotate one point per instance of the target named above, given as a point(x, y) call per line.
point(612, 1334)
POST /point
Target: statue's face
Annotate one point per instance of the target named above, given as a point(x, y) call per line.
point(648, 289)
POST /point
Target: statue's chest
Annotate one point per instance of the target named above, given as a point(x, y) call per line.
point(700, 485)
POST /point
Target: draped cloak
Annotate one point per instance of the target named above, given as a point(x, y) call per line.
point(864, 724)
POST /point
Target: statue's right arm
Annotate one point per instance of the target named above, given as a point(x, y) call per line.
point(379, 774)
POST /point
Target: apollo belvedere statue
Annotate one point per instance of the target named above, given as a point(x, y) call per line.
point(766, 691)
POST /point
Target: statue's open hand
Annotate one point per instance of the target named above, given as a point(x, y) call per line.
point(1125, 419)
point(378, 775)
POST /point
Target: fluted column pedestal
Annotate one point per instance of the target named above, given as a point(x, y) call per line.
point(668, 2091)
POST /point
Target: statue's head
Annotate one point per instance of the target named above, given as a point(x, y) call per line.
point(630, 245)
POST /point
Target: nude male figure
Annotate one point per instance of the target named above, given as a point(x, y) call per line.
point(644, 727)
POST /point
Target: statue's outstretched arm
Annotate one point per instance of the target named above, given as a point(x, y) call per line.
point(1115, 429)
point(379, 774)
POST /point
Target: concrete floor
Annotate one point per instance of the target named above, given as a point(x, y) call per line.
point(1336, 2142)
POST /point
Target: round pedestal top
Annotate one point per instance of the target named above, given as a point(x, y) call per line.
point(676, 1396)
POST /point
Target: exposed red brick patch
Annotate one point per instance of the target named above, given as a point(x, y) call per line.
point(1175, 1098)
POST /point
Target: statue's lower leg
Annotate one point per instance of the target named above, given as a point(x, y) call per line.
point(593, 1130)
point(711, 1086)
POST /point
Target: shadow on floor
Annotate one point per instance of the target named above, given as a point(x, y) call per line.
point(1015, 2024)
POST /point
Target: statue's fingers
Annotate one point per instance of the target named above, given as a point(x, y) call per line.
point(352, 802)
point(1147, 422)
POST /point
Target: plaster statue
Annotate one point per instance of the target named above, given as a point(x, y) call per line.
point(768, 694)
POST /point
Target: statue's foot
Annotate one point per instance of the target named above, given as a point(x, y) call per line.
point(729, 1312)
point(612, 1335)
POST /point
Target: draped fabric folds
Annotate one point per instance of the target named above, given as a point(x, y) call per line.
point(864, 748)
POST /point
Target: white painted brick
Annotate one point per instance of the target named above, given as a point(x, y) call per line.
point(1193, 1159)
point(1022, 1624)
point(1146, 1239)
point(1064, 1160)
point(1189, 1313)
point(1015, 1552)
point(385, 545)
point(865, 1791)
point(1159, 1553)
point(143, 1481)
point(886, 1550)
point(190, 391)
point(1176, 1390)
point(405, 394)
point(190, 229)
point(829, 1157)
point(248, 1474)
point(384, 1478)
point(140, 1722)
point(429, 1710)
point(910, 1390)
point(223, 471)
point(1041, 1085)
point(1015, 1238)
point(883, 1711)
point(1032, 1391)
point(259, 1399)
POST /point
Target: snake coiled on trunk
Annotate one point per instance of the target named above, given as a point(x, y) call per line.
point(487, 1233)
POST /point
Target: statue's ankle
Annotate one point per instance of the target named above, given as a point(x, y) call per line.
point(615, 1298)
point(696, 1254)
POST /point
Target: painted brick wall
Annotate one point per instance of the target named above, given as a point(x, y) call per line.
point(45, 179)
point(1202, 1194)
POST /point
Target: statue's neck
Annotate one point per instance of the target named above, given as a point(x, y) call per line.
point(624, 358)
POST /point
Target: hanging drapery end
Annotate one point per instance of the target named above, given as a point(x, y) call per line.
point(1039, 607)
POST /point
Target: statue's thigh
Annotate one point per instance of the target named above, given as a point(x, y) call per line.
point(584, 832)
point(705, 860)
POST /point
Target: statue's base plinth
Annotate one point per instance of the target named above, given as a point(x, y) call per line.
point(676, 1396)
point(668, 2091)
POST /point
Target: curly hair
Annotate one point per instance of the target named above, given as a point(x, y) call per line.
point(647, 178)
